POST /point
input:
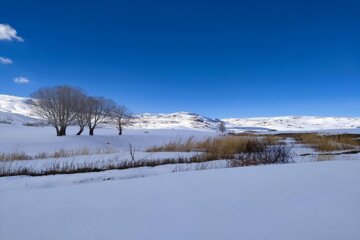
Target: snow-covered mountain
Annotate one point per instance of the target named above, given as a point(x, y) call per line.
point(17, 110)
point(296, 123)
point(175, 120)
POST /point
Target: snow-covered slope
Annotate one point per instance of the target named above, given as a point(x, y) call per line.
point(17, 110)
point(174, 120)
point(295, 123)
point(19, 105)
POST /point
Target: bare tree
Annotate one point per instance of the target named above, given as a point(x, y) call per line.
point(100, 108)
point(82, 112)
point(57, 105)
point(222, 127)
point(121, 117)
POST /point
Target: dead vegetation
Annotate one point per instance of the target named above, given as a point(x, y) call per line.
point(11, 168)
point(327, 143)
point(237, 151)
point(14, 156)
point(221, 146)
point(62, 153)
point(240, 150)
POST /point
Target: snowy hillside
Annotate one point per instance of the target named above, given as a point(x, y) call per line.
point(19, 105)
point(296, 123)
point(17, 110)
point(175, 120)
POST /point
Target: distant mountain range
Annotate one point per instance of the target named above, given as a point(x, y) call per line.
point(17, 110)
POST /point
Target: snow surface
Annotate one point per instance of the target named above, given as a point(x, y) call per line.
point(294, 201)
point(34, 140)
point(306, 200)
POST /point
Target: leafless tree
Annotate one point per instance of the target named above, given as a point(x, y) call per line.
point(82, 112)
point(222, 127)
point(121, 117)
point(57, 105)
point(100, 108)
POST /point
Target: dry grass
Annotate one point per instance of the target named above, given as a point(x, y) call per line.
point(10, 168)
point(14, 156)
point(245, 150)
point(238, 150)
point(220, 146)
point(176, 145)
point(62, 153)
point(328, 143)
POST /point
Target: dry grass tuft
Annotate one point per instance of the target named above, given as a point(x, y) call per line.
point(62, 153)
point(328, 143)
point(14, 156)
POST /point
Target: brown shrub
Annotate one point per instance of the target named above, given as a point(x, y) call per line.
point(225, 147)
point(328, 143)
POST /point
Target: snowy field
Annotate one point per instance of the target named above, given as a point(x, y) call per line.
point(294, 201)
point(308, 199)
point(33, 140)
point(303, 200)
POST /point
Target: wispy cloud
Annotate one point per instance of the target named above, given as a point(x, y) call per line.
point(5, 60)
point(21, 80)
point(9, 33)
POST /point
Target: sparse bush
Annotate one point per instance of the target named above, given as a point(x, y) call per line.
point(269, 155)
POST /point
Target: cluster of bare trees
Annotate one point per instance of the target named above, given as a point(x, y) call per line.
point(65, 105)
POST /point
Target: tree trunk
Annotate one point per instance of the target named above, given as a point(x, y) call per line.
point(80, 131)
point(120, 131)
point(62, 131)
point(57, 132)
point(91, 131)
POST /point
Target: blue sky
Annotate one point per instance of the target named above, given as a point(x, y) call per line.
point(217, 58)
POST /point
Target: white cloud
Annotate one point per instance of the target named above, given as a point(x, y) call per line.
point(21, 80)
point(8, 33)
point(5, 60)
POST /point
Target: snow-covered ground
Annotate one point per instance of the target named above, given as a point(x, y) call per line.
point(33, 140)
point(309, 199)
point(149, 130)
point(294, 201)
point(112, 147)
